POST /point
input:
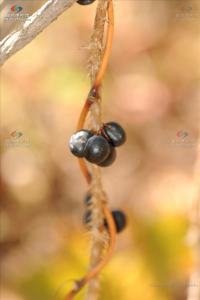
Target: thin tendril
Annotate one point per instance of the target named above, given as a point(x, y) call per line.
point(108, 47)
point(94, 272)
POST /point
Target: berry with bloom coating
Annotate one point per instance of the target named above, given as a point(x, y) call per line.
point(118, 216)
point(110, 159)
point(119, 219)
point(85, 2)
point(87, 217)
point(97, 149)
point(88, 199)
point(115, 133)
point(78, 142)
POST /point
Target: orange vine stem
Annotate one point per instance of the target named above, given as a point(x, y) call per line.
point(94, 90)
point(112, 231)
point(94, 272)
point(71, 295)
point(108, 46)
point(83, 114)
point(90, 99)
point(85, 170)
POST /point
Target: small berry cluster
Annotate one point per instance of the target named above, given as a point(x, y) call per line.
point(85, 2)
point(98, 148)
point(118, 216)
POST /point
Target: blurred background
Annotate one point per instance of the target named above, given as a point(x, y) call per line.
point(152, 89)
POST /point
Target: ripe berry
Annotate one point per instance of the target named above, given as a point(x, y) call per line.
point(88, 199)
point(110, 159)
point(78, 142)
point(119, 219)
point(118, 216)
point(97, 149)
point(85, 2)
point(115, 133)
point(87, 217)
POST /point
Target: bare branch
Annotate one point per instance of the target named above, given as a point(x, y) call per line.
point(32, 27)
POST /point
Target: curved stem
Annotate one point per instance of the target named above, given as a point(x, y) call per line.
point(94, 90)
point(83, 114)
point(71, 295)
point(94, 272)
point(108, 46)
point(112, 232)
point(85, 170)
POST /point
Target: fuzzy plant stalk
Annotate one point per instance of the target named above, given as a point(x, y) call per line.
point(98, 234)
point(194, 233)
point(102, 239)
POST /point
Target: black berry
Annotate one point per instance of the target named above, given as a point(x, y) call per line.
point(115, 133)
point(88, 199)
point(97, 149)
point(87, 217)
point(119, 219)
point(118, 216)
point(85, 2)
point(78, 142)
point(110, 159)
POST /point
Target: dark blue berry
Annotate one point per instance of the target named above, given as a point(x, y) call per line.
point(88, 199)
point(97, 149)
point(118, 216)
point(114, 133)
point(119, 219)
point(78, 142)
point(110, 159)
point(87, 217)
point(85, 2)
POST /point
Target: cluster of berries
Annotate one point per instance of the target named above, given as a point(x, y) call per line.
point(85, 2)
point(98, 148)
point(118, 216)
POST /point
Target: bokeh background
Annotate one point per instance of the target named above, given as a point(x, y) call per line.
point(152, 89)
